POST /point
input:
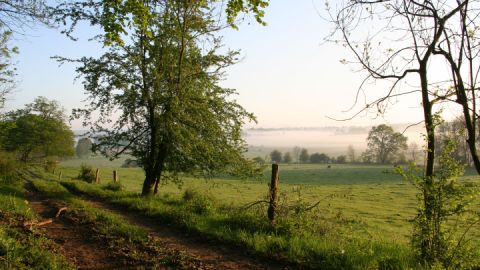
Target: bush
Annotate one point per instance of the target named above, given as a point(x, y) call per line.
point(86, 174)
point(50, 165)
point(114, 186)
point(197, 202)
point(8, 167)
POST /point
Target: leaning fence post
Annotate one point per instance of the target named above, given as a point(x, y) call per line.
point(115, 176)
point(273, 193)
point(97, 176)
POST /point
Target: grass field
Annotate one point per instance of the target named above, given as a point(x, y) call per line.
point(377, 202)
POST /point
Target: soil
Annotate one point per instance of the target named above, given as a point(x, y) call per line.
point(75, 241)
point(212, 255)
point(79, 244)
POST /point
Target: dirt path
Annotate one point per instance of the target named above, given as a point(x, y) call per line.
point(74, 240)
point(212, 256)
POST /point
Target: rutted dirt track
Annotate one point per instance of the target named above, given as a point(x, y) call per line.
point(78, 245)
point(74, 240)
point(213, 256)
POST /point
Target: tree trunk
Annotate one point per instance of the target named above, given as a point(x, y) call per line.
point(148, 183)
point(428, 184)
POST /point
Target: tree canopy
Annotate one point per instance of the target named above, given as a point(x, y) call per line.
point(162, 92)
point(84, 147)
point(276, 156)
point(384, 144)
point(37, 131)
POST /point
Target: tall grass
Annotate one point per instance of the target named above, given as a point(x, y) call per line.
point(306, 239)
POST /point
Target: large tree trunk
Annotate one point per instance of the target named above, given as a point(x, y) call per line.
point(148, 183)
point(154, 173)
point(428, 200)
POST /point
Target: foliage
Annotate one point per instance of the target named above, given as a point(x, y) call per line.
point(114, 186)
point(384, 145)
point(198, 203)
point(276, 156)
point(86, 174)
point(306, 239)
point(84, 147)
point(8, 167)
point(7, 71)
point(444, 217)
point(259, 160)
point(38, 131)
point(453, 131)
point(50, 164)
point(304, 157)
point(432, 50)
point(14, 16)
point(341, 159)
point(178, 119)
point(319, 158)
point(119, 17)
point(287, 158)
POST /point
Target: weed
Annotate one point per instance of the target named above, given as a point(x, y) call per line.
point(86, 174)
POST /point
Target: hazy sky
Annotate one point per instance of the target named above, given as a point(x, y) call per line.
point(287, 76)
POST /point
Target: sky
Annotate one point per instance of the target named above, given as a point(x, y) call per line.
point(288, 77)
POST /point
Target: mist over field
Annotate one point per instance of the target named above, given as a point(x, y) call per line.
point(331, 140)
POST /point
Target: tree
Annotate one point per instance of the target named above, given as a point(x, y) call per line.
point(287, 158)
point(174, 115)
point(341, 159)
point(7, 71)
point(443, 238)
point(351, 154)
point(454, 132)
point(84, 147)
point(276, 156)
point(296, 153)
point(304, 156)
point(259, 160)
point(384, 144)
point(38, 131)
point(413, 150)
point(432, 47)
point(319, 158)
point(120, 17)
point(423, 36)
point(14, 17)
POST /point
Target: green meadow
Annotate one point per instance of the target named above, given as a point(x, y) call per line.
point(375, 202)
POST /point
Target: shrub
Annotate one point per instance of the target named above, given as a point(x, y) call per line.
point(114, 186)
point(8, 167)
point(86, 174)
point(197, 202)
point(50, 165)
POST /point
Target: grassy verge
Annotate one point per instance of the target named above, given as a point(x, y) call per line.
point(21, 248)
point(308, 239)
point(124, 239)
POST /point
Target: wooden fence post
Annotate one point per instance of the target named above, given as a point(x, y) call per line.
point(97, 176)
point(60, 175)
point(273, 194)
point(115, 176)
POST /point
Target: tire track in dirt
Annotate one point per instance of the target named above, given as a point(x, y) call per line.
point(212, 256)
point(74, 240)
